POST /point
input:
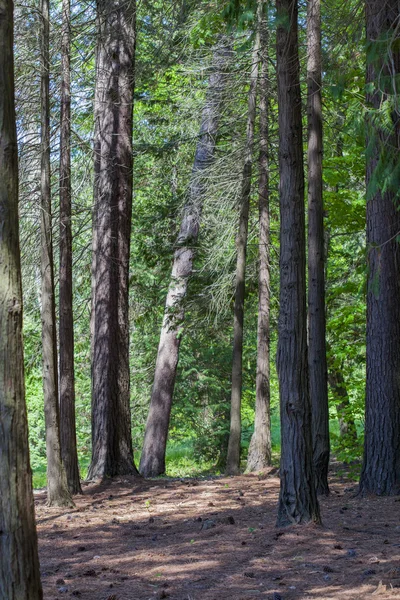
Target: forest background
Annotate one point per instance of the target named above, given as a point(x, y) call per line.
point(174, 51)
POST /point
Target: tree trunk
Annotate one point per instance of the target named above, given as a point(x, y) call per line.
point(259, 455)
point(57, 488)
point(298, 500)
point(316, 271)
point(19, 562)
point(233, 455)
point(66, 325)
point(152, 462)
point(347, 426)
point(112, 452)
point(381, 469)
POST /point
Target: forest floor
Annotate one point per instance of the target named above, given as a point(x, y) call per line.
point(215, 538)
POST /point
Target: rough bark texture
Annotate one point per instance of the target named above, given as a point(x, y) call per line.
point(297, 500)
point(57, 488)
point(152, 462)
point(19, 563)
point(259, 454)
point(66, 325)
point(112, 452)
point(316, 269)
point(233, 455)
point(381, 468)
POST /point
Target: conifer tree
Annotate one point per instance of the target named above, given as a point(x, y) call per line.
point(19, 562)
point(297, 499)
point(381, 467)
point(57, 487)
point(316, 250)
point(112, 452)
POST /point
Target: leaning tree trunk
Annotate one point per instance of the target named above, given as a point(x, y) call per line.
point(152, 462)
point(316, 254)
point(233, 455)
point(381, 468)
point(67, 377)
point(19, 562)
point(112, 452)
point(297, 500)
point(259, 455)
point(57, 488)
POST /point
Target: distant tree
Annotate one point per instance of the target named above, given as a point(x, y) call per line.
point(152, 462)
point(66, 323)
point(337, 383)
point(297, 500)
point(19, 562)
point(381, 467)
point(316, 253)
point(259, 455)
point(112, 452)
point(57, 488)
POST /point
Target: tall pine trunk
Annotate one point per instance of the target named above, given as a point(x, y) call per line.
point(19, 562)
point(112, 452)
point(233, 454)
point(297, 500)
point(66, 325)
point(152, 462)
point(259, 455)
point(381, 469)
point(316, 254)
point(57, 488)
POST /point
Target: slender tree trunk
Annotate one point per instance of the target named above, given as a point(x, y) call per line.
point(347, 426)
point(19, 562)
point(233, 455)
point(97, 163)
point(381, 469)
point(67, 376)
point(152, 462)
point(316, 271)
point(259, 455)
point(57, 488)
point(112, 452)
point(298, 500)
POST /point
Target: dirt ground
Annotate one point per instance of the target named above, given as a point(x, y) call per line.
point(211, 539)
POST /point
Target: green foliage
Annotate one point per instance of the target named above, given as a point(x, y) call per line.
point(173, 64)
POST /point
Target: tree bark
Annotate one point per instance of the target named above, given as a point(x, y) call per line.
point(112, 452)
point(381, 468)
point(233, 455)
point(152, 462)
point(19, 562)
point(316, 269)
point(259, 455)
point(57, 488)
point(66, 326)
point(297, 500)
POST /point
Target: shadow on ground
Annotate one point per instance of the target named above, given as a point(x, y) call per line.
point(215, 539)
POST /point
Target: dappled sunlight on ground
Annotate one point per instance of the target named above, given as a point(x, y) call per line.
point(216, 538)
